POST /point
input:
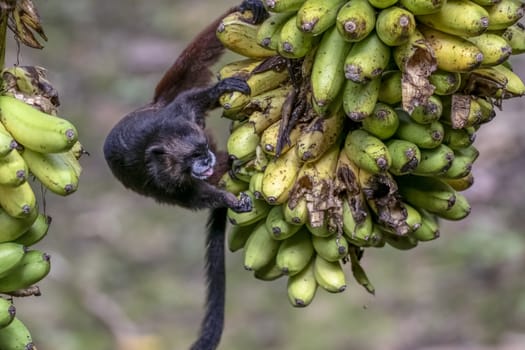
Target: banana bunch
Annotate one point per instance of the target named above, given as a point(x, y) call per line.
point(359, 130)
point(39, 151)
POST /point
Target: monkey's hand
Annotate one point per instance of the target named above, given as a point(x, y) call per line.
point(257, 8)
point(244, 204)
point(232, 84)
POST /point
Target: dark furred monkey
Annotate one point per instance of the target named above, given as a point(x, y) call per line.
point(162, 151)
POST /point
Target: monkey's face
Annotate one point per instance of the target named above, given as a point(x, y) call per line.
point(175, 158)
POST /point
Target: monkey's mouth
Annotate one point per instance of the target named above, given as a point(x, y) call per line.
point(202, 175)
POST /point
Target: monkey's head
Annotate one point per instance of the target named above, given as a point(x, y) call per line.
point(177, 155)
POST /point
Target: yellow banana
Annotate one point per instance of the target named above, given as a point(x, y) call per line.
point(242, 142)
point(302, 286)
point(329, 275)
point(458, 17)
point(36, 232)
point(36, 130)
point(422, 7)
point(452, 52)
point(319, 135)
point(33, 267)
point(232, 184)
point(515, 36)
point(283, 5)
point(7, 142)
point(505, 13)
point(268, 31)
point(7, 312)
point(390, 89)
point(270, 137)
point(238, 235)
point(265, 109)
point(279, 177)
point(298, 215)
point(11, 228)
point(495, 49)
point(11, 255)
point(240, 36)
point(241, 69)
point(19, 201)
point(13, 169)
point(269, 272)
point(515, 86)
point(382, 4)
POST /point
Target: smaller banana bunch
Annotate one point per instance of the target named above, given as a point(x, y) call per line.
point(34, 142)
point(359, 130)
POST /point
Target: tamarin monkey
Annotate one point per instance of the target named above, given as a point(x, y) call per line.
point(162, 151)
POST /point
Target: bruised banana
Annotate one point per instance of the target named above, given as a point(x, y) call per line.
point(367, 59)
point(279, 177)
point(367, 151)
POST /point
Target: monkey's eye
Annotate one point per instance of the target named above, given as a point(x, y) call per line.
point(157, 151)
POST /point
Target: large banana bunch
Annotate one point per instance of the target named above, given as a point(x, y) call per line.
point(39, 151)
point(366, 139)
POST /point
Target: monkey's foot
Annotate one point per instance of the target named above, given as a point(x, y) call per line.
point(257, 8)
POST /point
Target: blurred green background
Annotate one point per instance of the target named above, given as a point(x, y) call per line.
point(127, 273)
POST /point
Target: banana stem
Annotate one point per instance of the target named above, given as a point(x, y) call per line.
point(3, 33)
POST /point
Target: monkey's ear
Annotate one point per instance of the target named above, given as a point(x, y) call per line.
point(156, 150)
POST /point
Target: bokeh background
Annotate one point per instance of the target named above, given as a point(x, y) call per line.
point(127, 273)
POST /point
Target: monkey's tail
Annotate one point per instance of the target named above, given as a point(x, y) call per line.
point(213, 322)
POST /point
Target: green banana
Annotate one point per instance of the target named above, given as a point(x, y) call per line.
point(54, 170)
point(382, 4)
point(7, 312)
point(298, 215)
point(269, 272)
point(16, 336)
point(429, 229)
point(445, 82)
point(13, 169)
point(400, 242)
point(427, 192)
point(11, 255)
point(359, 99)
point(259, 210)
point(36, 130)
point(279, 177)
point(494, 48)
point(19, 201)
point(458, 211)
point(329, 275)
point(7, 142)
point(390, 89)
point(327, 77)
point(458, 138)
point(515, 36)
point(463, 18)
point(355, 20)
point(295, 253)
point(413, 218)
point(515, 86)
point(505, 13)
point(255, 184)
point(36, 232)
point(423, 135)
point(237, 34)
point(461, 166)
point(277, 226)
point(382, 122)
point(422, 7)
point(367, 59)
point(232, 184)
point(452, 53)
point(11, 228)
point(283, 5)
point(428, 112)
point(316, 16)
point(331, 248)
point(260, 249)
point(33, 267)
point(293, 42)
point(302, 286)
point(405, 156)
point(268, 31)
point(463, 111)
point(238, 235)
point(367, 151)
point(435, 161)
point(242, 142)
point(394, 25)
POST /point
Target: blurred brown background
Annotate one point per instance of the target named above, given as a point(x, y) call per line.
point(127, 273)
